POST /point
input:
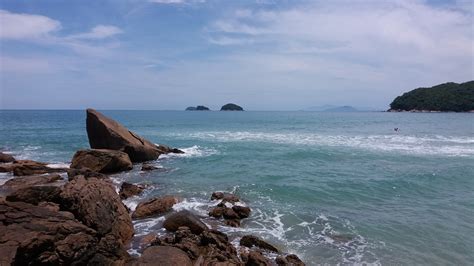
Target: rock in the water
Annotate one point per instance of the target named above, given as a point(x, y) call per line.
point(164, 256)
point(289, 260)
point(101, 160)
point(27, 167)
point(28, 181)
point(153, 207)
point(35, 194)
point(85, 172)
point(128, 190)
point(228, 209)
point(6, 158)
point(95, 203)
point(33, 235)
point(217, 212)
point(184, 218)
point(105, 133)
point(256, 258)
point(231, 107)
point(250, 241)
point(197, 108)
point(148, 167)
point(242, 211)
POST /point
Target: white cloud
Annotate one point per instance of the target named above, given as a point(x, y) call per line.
point(26, 26)
point(98, 32)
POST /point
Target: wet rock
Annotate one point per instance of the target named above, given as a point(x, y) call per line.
point(225, 197)
point(217, 212)
point(250, 241)
point(27, 167)
point(35, 194)
point(105, 133)
point(148, 167)
point(289, 260)
point(165, 149)
point(95, 203)
point(230, 214)
point(184, 218)
point(256, 258)
point(6, 158)
point(164, 256)
point(154, 207)
point(33, 235)
point(86, 172)
point(128, 190)
point(28, 181)
point(217, 195)
point(232, 223)
point(101, 160)
point(242, 211)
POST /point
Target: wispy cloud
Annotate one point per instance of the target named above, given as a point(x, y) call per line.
point(98, 32)
point(20, 26)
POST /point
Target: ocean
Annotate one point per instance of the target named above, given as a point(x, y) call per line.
point(333, 188)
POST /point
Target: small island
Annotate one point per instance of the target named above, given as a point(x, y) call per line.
point(231, 107)
point(447, 97)
point(197, 108)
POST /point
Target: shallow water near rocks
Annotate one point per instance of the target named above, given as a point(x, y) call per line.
point(335, 188)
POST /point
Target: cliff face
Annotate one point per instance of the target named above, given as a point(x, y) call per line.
point(447, 97)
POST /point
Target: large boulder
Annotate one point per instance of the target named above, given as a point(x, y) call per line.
point(101, 160)
point(164, 256)
point(34, 235)
point(105, 133)
point(27, 167)
point(36, 194)
point(128, 190)
point(95, 203)
point(154, 206)
point(184, 218)
point(6, 158)
point(250, 241)
point(28, 181)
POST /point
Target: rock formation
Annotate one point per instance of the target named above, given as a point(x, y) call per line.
point(154, 207)
point(231, 107)
point(101, 160)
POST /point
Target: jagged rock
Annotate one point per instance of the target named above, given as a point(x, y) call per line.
point(242, 211)
point(32, 235)
point(164, 256)
point(165, 149)
point(86, 172)
point(226, 208)
point(217, 212)
point(6, 158)
point(184, 218)
point(96, 204)
point(233, 222)
point(101, 160)
point(35, 194)
point(217, 195)
point(225, 197)
point(230, 214)
point(28, 167)
point(105, 133)
point(155, 206)
point(289, 260)
point(250, 241)
point(148, 167)
point(255, 258)
point(28, 181)
point(127, 190)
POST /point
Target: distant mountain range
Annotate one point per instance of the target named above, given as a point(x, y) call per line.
point(334, 108)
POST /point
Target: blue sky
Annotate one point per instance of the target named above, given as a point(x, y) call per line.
point(262, 54)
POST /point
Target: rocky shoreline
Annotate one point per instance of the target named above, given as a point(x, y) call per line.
point(75, 215)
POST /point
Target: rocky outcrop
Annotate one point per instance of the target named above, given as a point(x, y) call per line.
point(197, 108)
point(164, 256)
point(32, 235)
point(154, 207)
point(231, 107)
point(184, 218)
point(255, 257)
point(101, 160)
point(95, 203)
point(105, 133)
point(229, 208)
point(148, 167)
point(85, 172)
point(36, 194)
point(128, 190)
point(253, 241)
point(289, 260)
point(6, 158)
point(28, 167)
point(28, 181)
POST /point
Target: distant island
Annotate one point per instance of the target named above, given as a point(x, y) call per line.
point(197, 108)
point(341, 109)
point(447, 97)
point(231, 107)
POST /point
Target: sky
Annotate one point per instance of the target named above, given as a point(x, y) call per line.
point(260, 54)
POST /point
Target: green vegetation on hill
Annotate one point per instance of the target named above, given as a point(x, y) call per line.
point(231, 107)
point(447, 97)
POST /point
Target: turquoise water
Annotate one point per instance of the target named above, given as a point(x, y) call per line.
point(331, 187)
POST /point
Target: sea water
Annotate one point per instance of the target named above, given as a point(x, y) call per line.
point(333, 188)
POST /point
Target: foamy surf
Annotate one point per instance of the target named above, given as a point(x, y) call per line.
point(193, 151)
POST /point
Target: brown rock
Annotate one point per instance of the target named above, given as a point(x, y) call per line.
point(242, 211)
point(256, 258)
point(217, 195)
point(96, 204)
point(154, 207)
point(164, 256)
point(184, 218)
point(35, 194)
point(86, 172)
point(217, 212)
point(101, 160)
point(28, 181)
point(6, 158)
point(128, 190)
point(148, 167)
point(250, 241)
point(230, 214)
point(105, 133)
point(289, 260)
point(225, 197)
point(27, 167)
point(233, 222)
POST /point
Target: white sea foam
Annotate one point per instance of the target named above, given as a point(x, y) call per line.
point(428, 144)
point(58, 165)
point(194, 151)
